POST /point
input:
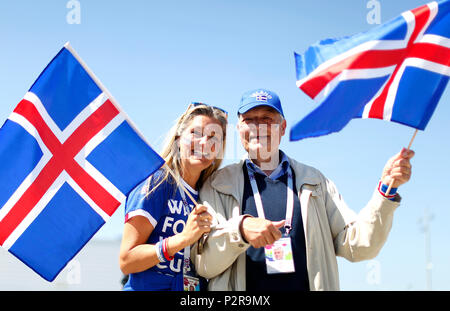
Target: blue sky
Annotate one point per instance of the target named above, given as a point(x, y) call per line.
point(157, 56)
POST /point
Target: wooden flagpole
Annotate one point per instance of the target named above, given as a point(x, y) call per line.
point(115, 103)
point(181, 184)
point(409, 147)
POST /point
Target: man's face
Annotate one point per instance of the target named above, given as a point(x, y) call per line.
point(260, 130)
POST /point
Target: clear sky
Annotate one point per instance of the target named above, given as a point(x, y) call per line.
point(157, 56)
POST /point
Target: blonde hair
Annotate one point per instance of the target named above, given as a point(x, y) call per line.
point(171, 151)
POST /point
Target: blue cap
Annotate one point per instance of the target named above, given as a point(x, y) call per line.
point(257, 98)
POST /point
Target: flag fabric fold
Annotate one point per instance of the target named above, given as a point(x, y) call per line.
point(395, 72)
point(69, 156)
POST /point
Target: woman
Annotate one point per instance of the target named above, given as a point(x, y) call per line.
point(161, 220)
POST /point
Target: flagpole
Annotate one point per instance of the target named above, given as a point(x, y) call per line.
point(181, 184)
point(115, 103)
point(104, 90)
point(409, 147)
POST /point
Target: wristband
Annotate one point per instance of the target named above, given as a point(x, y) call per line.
point(382, 188)
point(165, 251)
point(159, 251)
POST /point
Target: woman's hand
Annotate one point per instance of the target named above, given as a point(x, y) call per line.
point(198, 222)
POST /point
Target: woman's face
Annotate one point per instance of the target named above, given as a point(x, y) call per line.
point(200, 143)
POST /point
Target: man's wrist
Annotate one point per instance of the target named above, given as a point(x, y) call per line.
point(241, 227)
point(383, 188)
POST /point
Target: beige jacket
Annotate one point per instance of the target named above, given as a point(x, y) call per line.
point(331, 228)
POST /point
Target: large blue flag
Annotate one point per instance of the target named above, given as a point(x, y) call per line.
point(396, 72)
point(68, 158)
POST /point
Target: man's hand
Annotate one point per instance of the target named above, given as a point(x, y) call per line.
point(398, 168)
point(260, 232)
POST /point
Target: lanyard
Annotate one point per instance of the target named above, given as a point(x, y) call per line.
point(289, 201)
point(187, 249)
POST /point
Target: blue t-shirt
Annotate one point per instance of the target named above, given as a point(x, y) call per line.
point(165, 210)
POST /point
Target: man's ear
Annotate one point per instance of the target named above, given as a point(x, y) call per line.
point(283, 127)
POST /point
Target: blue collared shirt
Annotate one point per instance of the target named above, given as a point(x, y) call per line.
point(279, 171)
point(273, 191)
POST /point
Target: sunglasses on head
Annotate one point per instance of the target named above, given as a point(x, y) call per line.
point(195, 104)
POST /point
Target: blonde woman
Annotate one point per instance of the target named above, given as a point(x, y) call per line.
point(161, 221)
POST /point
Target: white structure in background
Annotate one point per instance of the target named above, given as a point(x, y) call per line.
point(96, 267)
point(425, 227)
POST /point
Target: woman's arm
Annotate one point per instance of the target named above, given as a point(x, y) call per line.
point(137, 256)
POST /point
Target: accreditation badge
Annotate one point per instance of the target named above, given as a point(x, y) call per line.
point(279, 257)
point(191, 284)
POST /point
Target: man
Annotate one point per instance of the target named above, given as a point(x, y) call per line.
point(270, 198)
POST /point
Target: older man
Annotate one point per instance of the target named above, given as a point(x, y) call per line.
point(270, 200)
